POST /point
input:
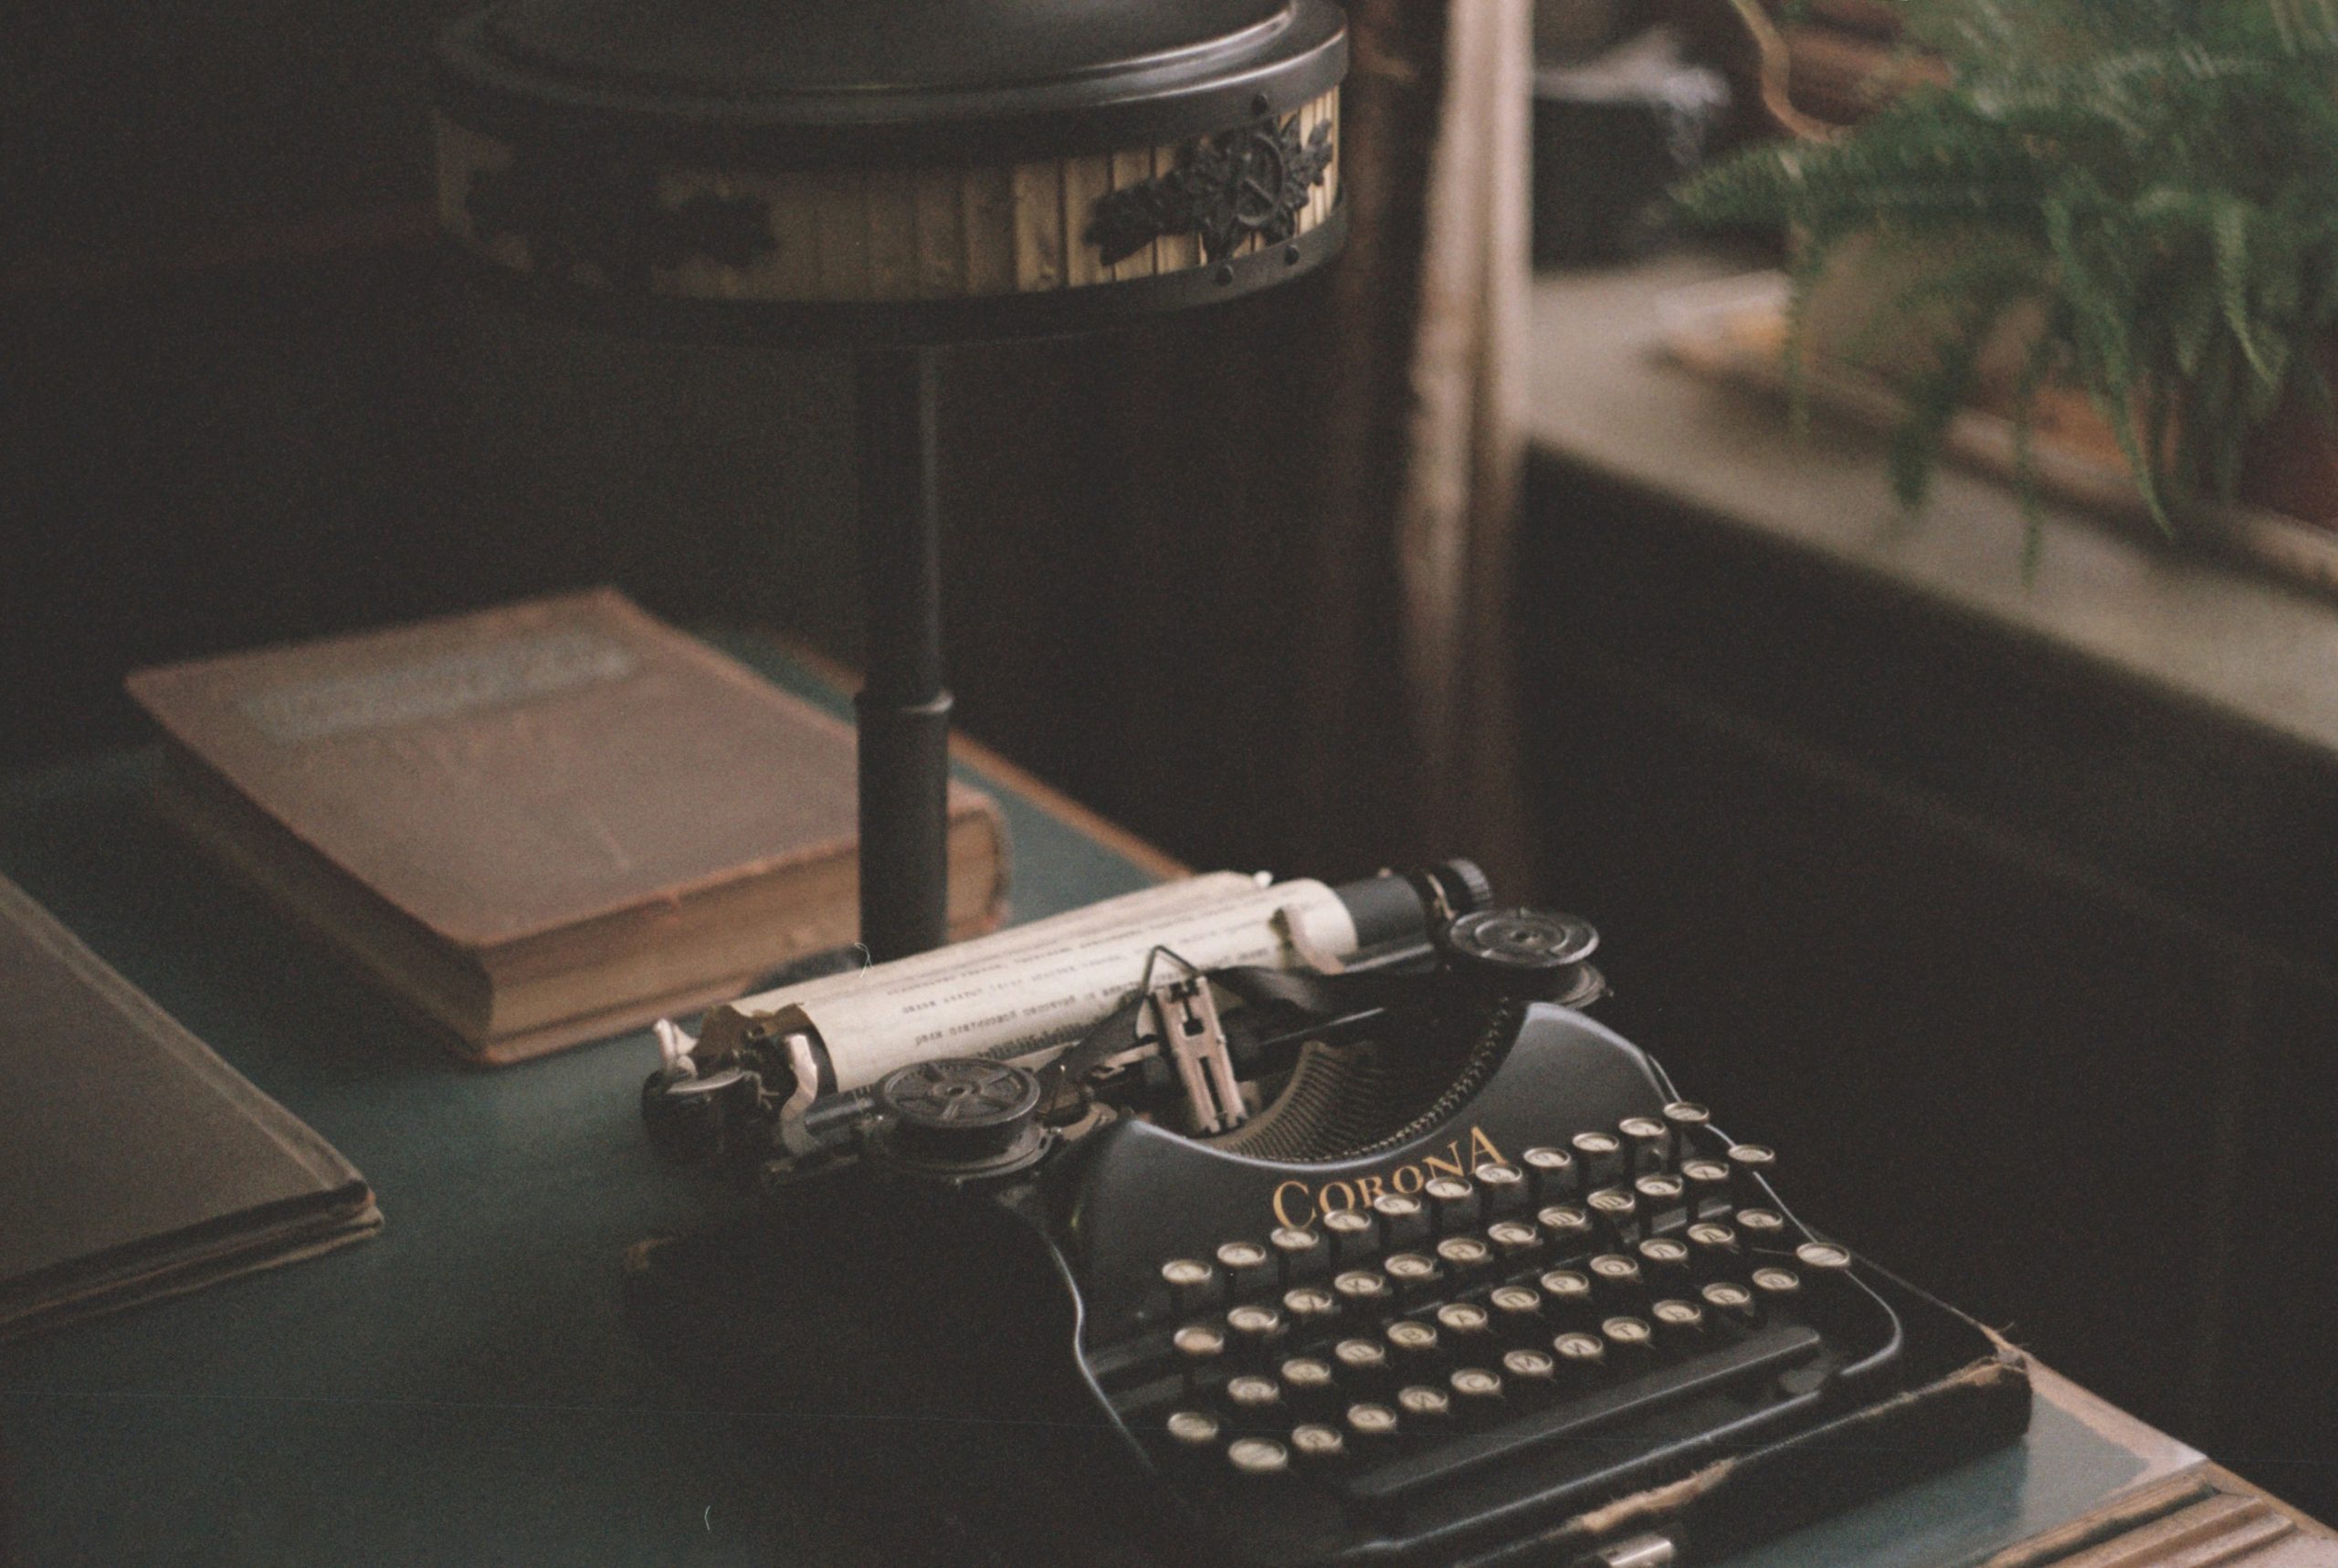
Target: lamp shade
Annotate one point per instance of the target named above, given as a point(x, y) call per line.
point(889, 171)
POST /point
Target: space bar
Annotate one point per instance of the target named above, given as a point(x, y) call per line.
point(1764, 1348)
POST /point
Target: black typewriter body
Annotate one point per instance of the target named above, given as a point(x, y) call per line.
point(1551, 1316)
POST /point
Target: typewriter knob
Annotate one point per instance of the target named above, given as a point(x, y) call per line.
point(960, 1116)
point(1524, 956)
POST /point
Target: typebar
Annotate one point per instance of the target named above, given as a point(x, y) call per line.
point(1774, 1347)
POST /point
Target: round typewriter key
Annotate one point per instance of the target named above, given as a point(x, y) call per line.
point(1305, 1376)
point(1687, 1113)
point(1728, 1300)
point(1193, 1284)
point(1679, 1324)
point(1515, 1306)
point(1661, 1193)
point(1551, 1172)
point(1513, 1237)
point(1664, 1258)
point(1411, 1337)
point(1613, 1268)
point(1299, 1250)
point(1360, 1286)
point(1351, 1233)
point(1823, 1255)
point(1452, 1201)
point(1763, 1229)
point(1567, 1287)
point(1464, 1252)
point(1616, 1210)
point(1372, 1422)
point(1710, 1243)
point(1748, 1162)
point(1254, 1322)
point(1776, 1283)
point(1579, 1350)
point(1600, 1156)
point(1247, 1263)
point(1362, 1357)
point(1403, 1220)
point(1475, 1386)
point(1627, 1333)
point(1410, 1269)
point(1648, 1143)
point(1310, 1303)
point(1200, 1342)
point(1464, 1318)
point(1503, 1187)
point(1192, 1428)
point(1421, 1402)
point(1316, 1443)
point(1253, 1393)
point(1568, 1227)
point(1258, 1455)
point(1530, 1367)
point(1707, 1184)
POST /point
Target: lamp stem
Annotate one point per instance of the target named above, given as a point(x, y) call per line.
point(904, 712)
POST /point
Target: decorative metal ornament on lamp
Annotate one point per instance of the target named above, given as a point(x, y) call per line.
point(890, 175)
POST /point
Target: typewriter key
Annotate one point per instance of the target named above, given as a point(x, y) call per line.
point(1679, 1324)
point(1567, 1288)
point(1310, 1304)
point(1707, 1184)
point(1403, 1222)
point(1302, 1253)
point(1648, 1143)
point(1254, 1323)
point(1664, 1260)
point(1748, 1162)
point(1360, 1286)
point(1193, 1285)
point(1515, 1307)
point(1503, 1188)
point(1464, 1319)
point(1352, 1233)
point(1421, 1402)
point(1616, 1210)
point(1600, 1156)
point(1259, 1456)
point(1551, 1173)
point(1823, 1255)
point(1317, 1444)
point(1685, 1115)
point(1764, 1230)
point(1513, 1237)
point(1452, 1203)
point(1306, 1376)
point(1248, 1265)
point(1411, 1271)
point(1192, 1428)
point(1361, 1358)
point(1613, 1277)
point(1372, 1423)
point(1581, 1351)
point(1711, 1247)
point(1464, 1253)
point(1777, 1284)
point(1568, 1227)
point(1730, 1301)
point(1200, 1342)
point(1661, 1198)
point(1475, 1386)
point(1252, 1394)
point(1412, 1338)
point(1531, 1368)
point(1627, 1333)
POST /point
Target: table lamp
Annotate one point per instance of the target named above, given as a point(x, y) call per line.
point(891, 177)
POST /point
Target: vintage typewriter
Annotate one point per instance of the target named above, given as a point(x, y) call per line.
point(1285, 1224)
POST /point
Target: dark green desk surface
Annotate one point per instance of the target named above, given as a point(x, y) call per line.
point(458, 1390)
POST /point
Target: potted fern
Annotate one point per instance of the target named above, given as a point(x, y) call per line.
point(2133, 200)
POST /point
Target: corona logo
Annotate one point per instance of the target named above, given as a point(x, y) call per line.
point(1298, 1202)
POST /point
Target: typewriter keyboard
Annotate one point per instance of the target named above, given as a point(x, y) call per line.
point(1542, 1310)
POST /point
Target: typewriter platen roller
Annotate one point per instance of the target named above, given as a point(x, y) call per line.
point(1453, 1276)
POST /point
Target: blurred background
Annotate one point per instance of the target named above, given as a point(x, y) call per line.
point(1999, 897)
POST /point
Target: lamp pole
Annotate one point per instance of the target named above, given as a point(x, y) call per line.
point(902, 707)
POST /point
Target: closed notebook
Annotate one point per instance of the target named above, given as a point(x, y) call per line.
point(538, 824)
point(133, 1162)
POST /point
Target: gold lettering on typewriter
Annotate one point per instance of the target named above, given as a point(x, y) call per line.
point(1297, 1203)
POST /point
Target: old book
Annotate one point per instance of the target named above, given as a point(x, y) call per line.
point(135, 1162)
point(540, 823)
